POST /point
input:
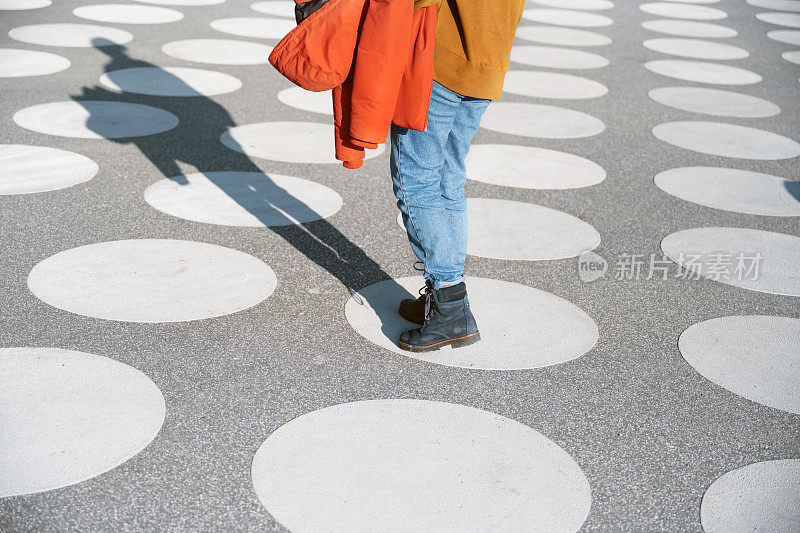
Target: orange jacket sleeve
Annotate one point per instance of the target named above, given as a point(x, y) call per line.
point(415, 89)
point(351, 155)
point(381, 58)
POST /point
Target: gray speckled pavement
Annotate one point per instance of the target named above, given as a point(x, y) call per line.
point(648, 431)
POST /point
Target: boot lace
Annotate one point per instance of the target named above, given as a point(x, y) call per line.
point(426, 291)
point(428, 308)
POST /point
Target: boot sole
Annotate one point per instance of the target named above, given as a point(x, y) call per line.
point(455, 343)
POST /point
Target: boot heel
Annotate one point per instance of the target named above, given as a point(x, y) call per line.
point(466, 341)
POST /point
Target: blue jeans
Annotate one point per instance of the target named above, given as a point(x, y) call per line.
point(428, 176)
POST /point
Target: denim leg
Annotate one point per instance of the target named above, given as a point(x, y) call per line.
point(454, 177)
point(416, 162)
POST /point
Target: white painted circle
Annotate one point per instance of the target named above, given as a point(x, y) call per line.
point(588, 5)
point(315, 102)
point(727, 140)
point(277, 8)
point(702, 72)
point(777, 5)
point(552, 57)
point(696, 49)
point(255, 27)
point(785, 36)
point(127, 14)
point(182, 3)
point(760, 497)
point(248, 199)
point(151, 280)
point(17, 5)
point(529, 167)
point(27, 169)
point(544, 329)
point(792, 57)
point(696, 1)
point(70, 416)
point(682, 11)
point(292, 142)
point(505, 229)
point(685, 28)
point(70, 35)
point(740, 191)
point(219, 51)
point(790, 20)
point(754, 357)
point(417, 465)
point(170, 81)
point(770, 262)
point(90, 119)
point(552, 85)
point(567, 17)
point(562, 36)
point(543, 121)
point(714, 102)
point(15, 63)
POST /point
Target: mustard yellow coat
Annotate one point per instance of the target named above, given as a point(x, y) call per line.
point(473, 44)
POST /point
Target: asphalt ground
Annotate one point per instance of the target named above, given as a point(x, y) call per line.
point(648, 431)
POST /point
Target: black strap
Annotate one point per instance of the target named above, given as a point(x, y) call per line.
point(302, 11)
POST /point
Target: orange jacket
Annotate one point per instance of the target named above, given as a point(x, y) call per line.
point(376, 55)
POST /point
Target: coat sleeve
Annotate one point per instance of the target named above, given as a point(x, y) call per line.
point(415, 89)
point(351, 155)
point(380, 60)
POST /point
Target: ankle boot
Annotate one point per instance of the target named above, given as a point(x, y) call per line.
point(414, 310)
point(448, 321)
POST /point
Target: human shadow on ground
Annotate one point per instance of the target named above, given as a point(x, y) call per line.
point(195, 142)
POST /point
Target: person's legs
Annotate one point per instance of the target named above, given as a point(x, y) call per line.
point(416, 162)
point(454, 177)
point(430, 192)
